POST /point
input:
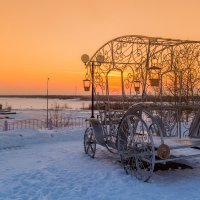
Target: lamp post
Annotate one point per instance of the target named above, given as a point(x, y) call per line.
point(92, 72)
point(47, 102)
point(85, 59)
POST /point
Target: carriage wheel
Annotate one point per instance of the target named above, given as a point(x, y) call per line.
point(136, 148)
point(89, 142)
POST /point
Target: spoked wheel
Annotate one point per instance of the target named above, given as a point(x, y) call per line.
point(89, 142)
point(136, 148)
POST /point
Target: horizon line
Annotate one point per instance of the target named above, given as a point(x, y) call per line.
point(42, 95)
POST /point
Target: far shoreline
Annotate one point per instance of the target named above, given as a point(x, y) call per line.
point(80, 97)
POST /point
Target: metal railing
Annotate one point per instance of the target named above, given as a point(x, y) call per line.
point(23, 124)
point(70, 122)
point(40, 124)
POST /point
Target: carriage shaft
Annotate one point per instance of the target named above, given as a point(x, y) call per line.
point(177, 158)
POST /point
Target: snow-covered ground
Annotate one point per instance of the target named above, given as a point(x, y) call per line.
point(52, 165)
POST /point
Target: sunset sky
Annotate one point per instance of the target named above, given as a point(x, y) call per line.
point(46, 38)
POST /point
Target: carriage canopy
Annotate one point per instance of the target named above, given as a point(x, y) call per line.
point(147, 66)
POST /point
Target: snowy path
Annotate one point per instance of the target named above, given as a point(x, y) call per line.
point(60, 170)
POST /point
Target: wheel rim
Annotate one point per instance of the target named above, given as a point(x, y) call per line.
point(89, 142)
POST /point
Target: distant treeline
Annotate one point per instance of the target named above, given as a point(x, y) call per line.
point(116, 98)
point(81, 97)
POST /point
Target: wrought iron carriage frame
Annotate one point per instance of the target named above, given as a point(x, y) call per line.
point(138, 131)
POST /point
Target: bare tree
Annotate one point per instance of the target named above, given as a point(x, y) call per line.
point(56, 115)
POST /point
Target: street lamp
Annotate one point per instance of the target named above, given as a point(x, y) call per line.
point(85, 59)
point(47, 102)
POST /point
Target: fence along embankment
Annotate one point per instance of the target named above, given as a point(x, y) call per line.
point(68, 122)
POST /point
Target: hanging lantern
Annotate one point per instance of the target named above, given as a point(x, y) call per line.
point(137, 85)
point(86, 84)
point(154, 76)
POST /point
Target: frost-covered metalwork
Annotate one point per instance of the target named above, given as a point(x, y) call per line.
point(132, 56)
point(158, 99)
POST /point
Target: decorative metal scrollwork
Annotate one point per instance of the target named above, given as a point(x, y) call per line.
point(177, 83)
point(141, 52)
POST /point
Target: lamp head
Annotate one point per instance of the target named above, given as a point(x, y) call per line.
point(85, 58)
point(100, 58)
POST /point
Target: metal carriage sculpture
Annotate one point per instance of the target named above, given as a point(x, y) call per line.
point(156, 110)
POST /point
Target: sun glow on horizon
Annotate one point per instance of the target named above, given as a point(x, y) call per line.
point(115, 82)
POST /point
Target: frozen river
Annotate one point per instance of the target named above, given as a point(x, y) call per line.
point(41, 103)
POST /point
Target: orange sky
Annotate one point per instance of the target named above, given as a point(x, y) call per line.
point(46, 38)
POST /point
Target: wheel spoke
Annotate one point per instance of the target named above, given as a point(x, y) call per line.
point(92, 148)
point(88, 146)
